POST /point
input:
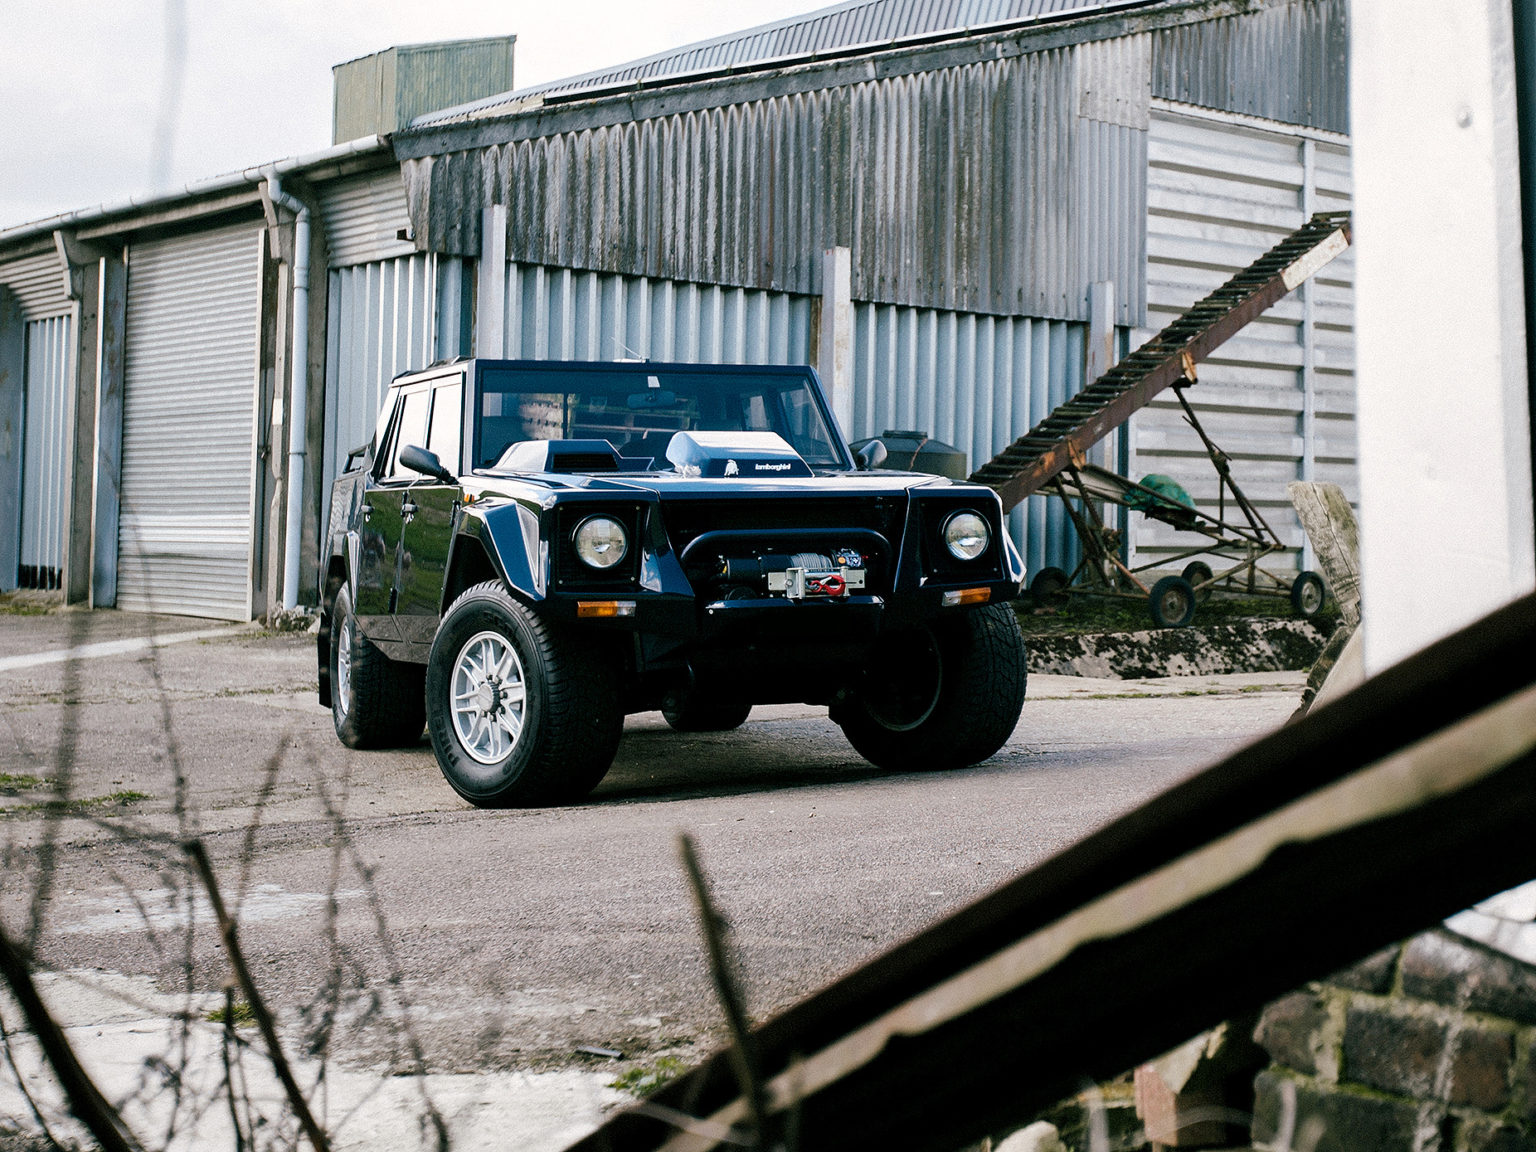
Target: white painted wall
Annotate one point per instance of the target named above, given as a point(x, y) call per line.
point(1445, 469)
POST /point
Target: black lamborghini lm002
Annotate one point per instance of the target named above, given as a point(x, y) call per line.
point(528, 551)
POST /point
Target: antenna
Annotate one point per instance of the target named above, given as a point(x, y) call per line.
point(632, 357)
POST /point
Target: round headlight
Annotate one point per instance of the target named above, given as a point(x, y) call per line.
point(600, 542)
point(966, 535)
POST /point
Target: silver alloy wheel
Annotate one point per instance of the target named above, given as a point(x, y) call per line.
point(489, 697)
point(341, 696)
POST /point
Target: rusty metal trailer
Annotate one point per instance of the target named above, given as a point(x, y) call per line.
point(1052, 457)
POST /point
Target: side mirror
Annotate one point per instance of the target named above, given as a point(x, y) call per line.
point(420, 460)
point(872, 455)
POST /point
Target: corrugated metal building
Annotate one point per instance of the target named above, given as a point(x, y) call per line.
point(1017, 182)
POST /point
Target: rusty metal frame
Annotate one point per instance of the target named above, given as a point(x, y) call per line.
point(1101, 571)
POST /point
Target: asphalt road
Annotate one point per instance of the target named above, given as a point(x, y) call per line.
point(517, 937)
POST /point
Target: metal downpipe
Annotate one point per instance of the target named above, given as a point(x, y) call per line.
point(298, 392)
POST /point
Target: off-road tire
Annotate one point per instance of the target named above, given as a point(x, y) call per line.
point(694, 711)
point(571, 720)
point(380, 703)
point(982, 677)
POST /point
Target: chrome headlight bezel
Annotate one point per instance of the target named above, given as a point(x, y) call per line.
point(966, 534)
point(600, 542)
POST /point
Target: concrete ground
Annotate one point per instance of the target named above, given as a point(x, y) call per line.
point(392, 927)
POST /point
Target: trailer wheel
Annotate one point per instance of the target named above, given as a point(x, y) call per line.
point(1049, 588)
point(1308, 594)
point(941, 697)
point(1172, 602)
point(1198, 572)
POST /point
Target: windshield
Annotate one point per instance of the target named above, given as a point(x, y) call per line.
point(638, 409)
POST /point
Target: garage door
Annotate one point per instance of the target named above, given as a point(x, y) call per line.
point(186, 526)
point(1280, 397)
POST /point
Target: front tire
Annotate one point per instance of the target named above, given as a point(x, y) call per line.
point(376, 702)
point(942, 697)
point(519, 715)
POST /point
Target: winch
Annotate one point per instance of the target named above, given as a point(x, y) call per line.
point(801, 576)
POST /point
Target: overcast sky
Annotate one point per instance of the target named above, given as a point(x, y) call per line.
point(92, 112)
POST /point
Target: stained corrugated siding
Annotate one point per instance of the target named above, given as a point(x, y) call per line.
point(974, 381)
point(185, 530)
point(561, 314)
point(1288, 63)
point(45, 451)
point(862, 22)
point(957, 188)
point(363, 217)
point(1219, 195)
point(383, 92)
point(430, 76)
point(382, 321)
point(37, 283)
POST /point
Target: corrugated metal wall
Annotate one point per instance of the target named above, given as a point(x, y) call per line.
point(363, 216)
point(385, 91)
point(1288, 63)
point(1004, 186)
point(382, 321)
point(562, 314)
point(1282, 405)
point(45, 451)
point(957, 188)
point(187, 525)
point(974, 381)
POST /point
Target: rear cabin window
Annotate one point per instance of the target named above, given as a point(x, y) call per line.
point(447, 429)
point(410, 429)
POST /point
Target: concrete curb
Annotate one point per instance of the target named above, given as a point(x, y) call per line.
point(1242, 646)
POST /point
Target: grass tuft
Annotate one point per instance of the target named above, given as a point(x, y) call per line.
point(646, 1079)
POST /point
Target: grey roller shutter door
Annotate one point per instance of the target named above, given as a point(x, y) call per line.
point(363, 217)
point(186, 527)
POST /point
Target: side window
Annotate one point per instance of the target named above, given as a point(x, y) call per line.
point(411, 428)
point(447, 425)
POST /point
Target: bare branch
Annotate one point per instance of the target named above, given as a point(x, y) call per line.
point(85, 1099)
point(742, 1054)
point(230, 935)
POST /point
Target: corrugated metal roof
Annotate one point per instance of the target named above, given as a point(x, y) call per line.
point(851, 25)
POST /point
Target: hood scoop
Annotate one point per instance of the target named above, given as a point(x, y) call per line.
point(584, 456)
point(747, 455)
